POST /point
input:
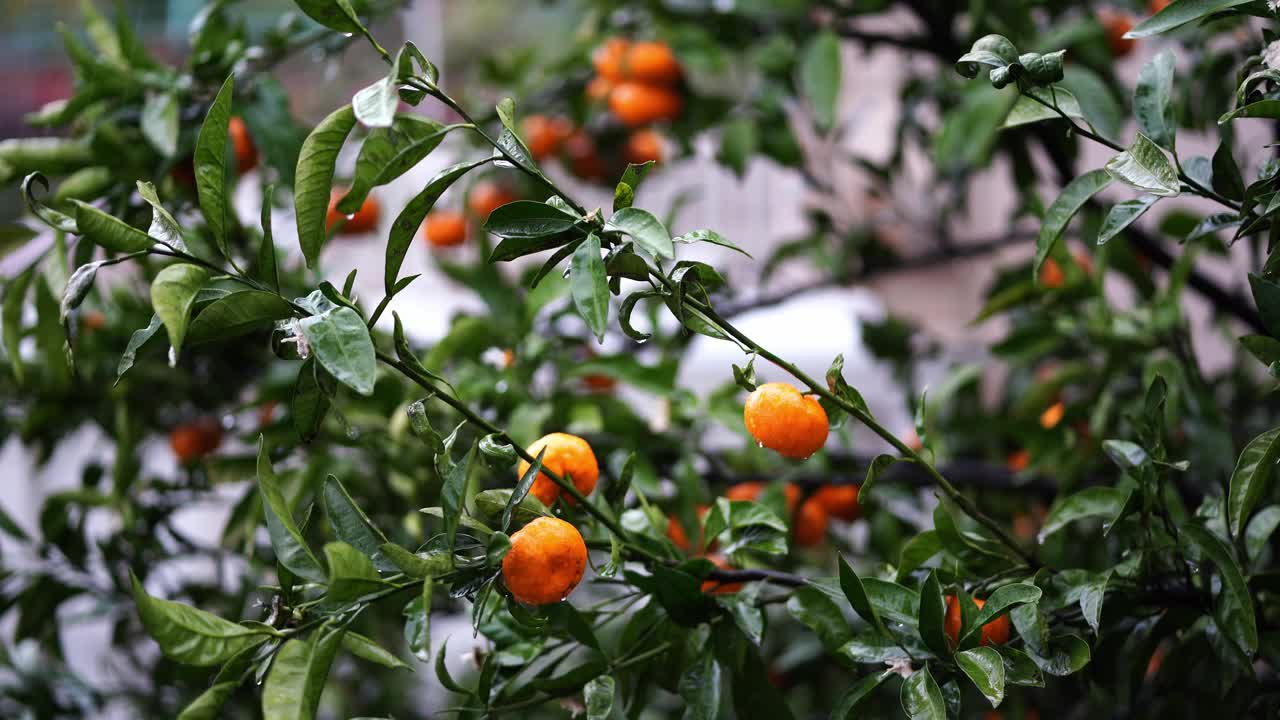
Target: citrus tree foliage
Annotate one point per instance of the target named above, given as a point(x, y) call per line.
point(1101, 540)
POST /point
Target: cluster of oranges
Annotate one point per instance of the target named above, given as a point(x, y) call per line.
point(548, 556)
point(639, 83)
point(194, 440)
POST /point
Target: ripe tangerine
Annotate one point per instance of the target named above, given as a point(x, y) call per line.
point(546, 561)
point(568, 456)
point(361, 221)
point(995, 632)
point(780, 418)
point(445, 228)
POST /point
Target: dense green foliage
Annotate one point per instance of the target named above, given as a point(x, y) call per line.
point(375, 482)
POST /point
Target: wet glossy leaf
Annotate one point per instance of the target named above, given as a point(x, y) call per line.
point(189, 635)
point(1252, 478)
point(645, 229)
point(1180, 13)
point(314, 179)
point(933, 612)
point(1153, 100)
point(921, 697)
point(598, 695)
point(286, 539)
point(700, 688)
point(136, 341)
point(1234, 606)
point(1145, 166)
point(1069, 201)
point(985, 668)
point(298, 675)
point(211, 167)
point(311, 398)
point(589, 286)
point(173, 293)
point(1124, 214)
point(821, 615)
point(351, 525)
point(333, 14)
point(208, 705)
point(351, 574)
point(236, 314)
point(341, 343)
point(1095, 502)
point(366, 649)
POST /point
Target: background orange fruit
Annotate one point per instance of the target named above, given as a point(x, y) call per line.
point(809, 526)
point(546, 561)
point(651, 62)
point(544, 136)
point(638, 104)
point(718, 588)
point(246, 153)
point(995, 632)
point(643, 146)
point(486, 197)
point(361, 221)
point(840, 501)
point(445, 228)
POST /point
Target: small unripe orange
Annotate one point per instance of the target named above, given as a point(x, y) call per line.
point(445, 228)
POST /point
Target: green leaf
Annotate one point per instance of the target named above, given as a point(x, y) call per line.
point(173, 292)
point(417, 624)
point(164, 227)
point(529, 219)
point(854, 591)
point(332, 14)
point(109, 232)
point(819, 613)
point(1066, 654)
point(1251, 478)
point(645, 229)
point(366, 649)
point(994, 51)
point(1094, 502)
point(351, 574)
point(933, 612)
point(917, 551)
point(849, 701)
point(598, 696)
point(410, 218)
point(351, 525)
point(589, 286)
point(453, 491)
point(211, 167)
point(237, 314)
point(208, 705)
point(1265, 109)
point(738, 144)
point(417, 565)
point(314, 179)
point(1226, 173)
point(708, 236)
point(1180, 13)
point(700, 688)
point(1266, 294)
point(1124, 214)
point(188, 635)
point(1068, 203)
point(311, 394)
point(78, 287)
point(1019, 669)
point(1260, 529)
point(341, 343)
point(985, 668)
point(1092, 595)
point(298, 675)
point(1000, 602)
point(286, 539)
point(1153, 100)
point(1100, 106)
point(1145, 167)
point(921, 697)
point(388, 153)
point(1234, 612)
point(136, 341)
point(442, 671)
point(1026, 111)
point(820, 77)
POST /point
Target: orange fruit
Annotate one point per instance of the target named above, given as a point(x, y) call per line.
point(840, 501)
point(486, 197)
point(568, 456)
point(643, 146)
point(1051, 275)
point(749, 491)
point(596, 382)
point(544, 135)
point(192, 441)
point(995, 632)
point(363, 220)
point(1115, 24)
point(1019, 460)
point(92, 320)
point(637, 104)
point(652, 63)
point(608, 58)
point(266, 413)
point(1050, 418)
point(584, 158)
point(246, 153)
point(546, 561)
point(598, 88)
point(715, 587)
point(445, 228)
point(785, 421)
point(809, 527)
point(675, 531)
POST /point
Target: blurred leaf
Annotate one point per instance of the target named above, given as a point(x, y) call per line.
point(820, 77)
point(1180, 13)
point(298, 675)
point(1234, 612)
point(366, 649)
point(598, 696)
point(1122, 215)
point(1094, 502)
point(700, 688)
point(815, 610)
